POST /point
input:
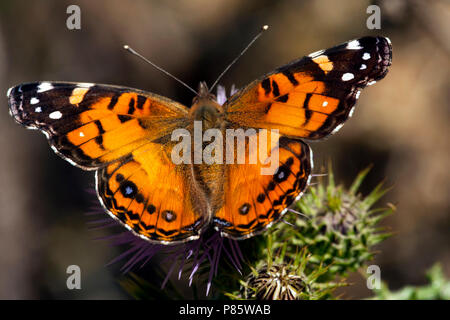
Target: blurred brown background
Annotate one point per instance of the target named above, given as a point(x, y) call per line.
point(401, 125)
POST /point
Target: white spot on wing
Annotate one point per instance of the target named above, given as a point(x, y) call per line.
point(38, 109)
point(9, 91)
point(351, 112)
point(371, 83)
point(298, 196)
point(337, 128)
point(325, 103)
point(366, 56)
point(81, 134)
point(363, 66)
point(85, 85)
point(34, 100)
point(353, 45)
point(347, 76)
point(55, 115)
point(358, 93)
point(316, 54)
point(44, 86)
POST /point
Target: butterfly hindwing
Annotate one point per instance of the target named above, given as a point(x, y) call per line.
point(313, 96)
point(253, 201)
point(167, 211)
point(91, 125)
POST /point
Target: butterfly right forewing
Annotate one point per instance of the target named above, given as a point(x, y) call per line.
point(313, 96)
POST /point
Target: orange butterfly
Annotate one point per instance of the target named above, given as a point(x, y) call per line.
point(125, 135)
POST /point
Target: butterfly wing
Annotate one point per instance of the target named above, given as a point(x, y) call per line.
point(153, 197)
point(91, 125)
point(253, 200)
point(313, 96)
point(123, 133)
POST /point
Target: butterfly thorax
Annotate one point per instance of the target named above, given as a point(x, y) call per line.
point(205, 109)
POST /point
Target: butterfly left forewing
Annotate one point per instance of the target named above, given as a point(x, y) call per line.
point(313, 96)
point(92, 125)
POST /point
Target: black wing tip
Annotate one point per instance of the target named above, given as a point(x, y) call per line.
point(16, 96)
point(15, 101)
point(383, 49)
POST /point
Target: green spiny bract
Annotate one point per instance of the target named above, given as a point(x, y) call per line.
point(337, 225)
point(281, 278)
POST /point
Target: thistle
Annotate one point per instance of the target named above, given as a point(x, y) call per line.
point(338, 225)
point(281, 278)
point(335, 233)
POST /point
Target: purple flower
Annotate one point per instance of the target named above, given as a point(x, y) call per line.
point(186, 256)
point(222, 95)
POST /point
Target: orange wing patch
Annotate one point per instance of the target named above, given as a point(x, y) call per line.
point(324, 63)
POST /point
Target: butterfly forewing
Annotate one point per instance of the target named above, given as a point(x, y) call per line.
point(313, 96)
point(92, 125)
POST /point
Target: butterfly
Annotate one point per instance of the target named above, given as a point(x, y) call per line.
point(124, 135)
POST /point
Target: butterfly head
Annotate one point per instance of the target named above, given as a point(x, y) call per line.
point(203, 92)
point(205, 107)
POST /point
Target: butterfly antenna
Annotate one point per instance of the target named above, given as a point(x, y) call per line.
point(263, 28)
point(132, 51)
